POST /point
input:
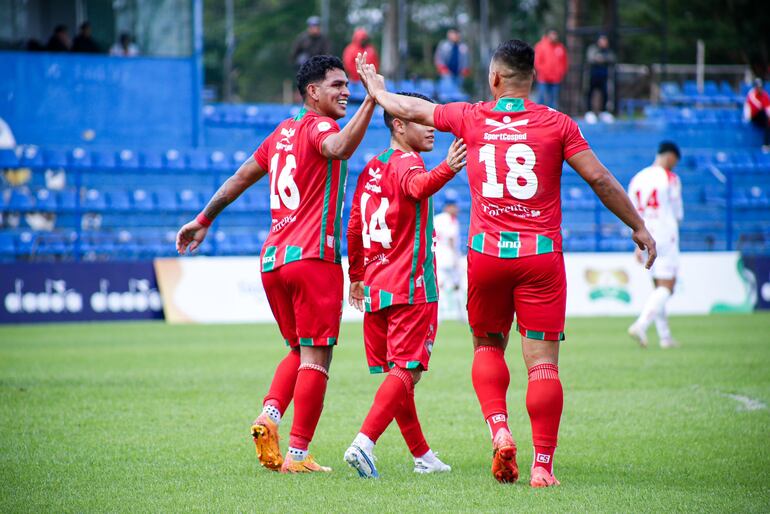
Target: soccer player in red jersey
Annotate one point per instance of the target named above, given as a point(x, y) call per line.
point(515, 153)
point(393, 279)
point(304, 159)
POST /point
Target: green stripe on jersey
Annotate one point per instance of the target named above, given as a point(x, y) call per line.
point(300, 114)
point(293, 253)
point(509, 105)
point(376, 369)
point(429, 272)
point(477, 242)
point(268, 260)
point(509, 245)
point(325, 212)
point(385, 156)
point(338, 213)
point(415, 254)
point(367, 299)
point(386, 299)
point(306, 341)
point(544, 244)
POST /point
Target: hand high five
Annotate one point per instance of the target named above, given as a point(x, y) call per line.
point(372, 81)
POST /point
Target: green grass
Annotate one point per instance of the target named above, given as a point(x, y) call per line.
point(146, 417)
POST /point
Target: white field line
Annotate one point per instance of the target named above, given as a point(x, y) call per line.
point(746, 403)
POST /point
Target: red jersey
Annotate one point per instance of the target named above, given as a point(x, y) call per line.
point(756, 102)
point(516, 149)
point(390, 235)
point(306, 191)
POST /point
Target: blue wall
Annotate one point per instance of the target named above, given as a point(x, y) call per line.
point(75, 99)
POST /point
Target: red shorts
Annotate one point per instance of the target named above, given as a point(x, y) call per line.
point(306, 299)
point(400, 335)
point(533, 287)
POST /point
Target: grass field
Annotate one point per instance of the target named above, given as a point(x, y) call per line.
point(146, 417)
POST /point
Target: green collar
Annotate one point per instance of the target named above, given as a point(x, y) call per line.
point(509, 105)
point(385, 156)
point(300, 114)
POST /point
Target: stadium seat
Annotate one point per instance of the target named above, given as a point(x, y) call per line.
point(79, 158)
point(127, 160)
point(94, 201)
point(7, 245)
point(31, 157)
point(45, 201)
point(190, 200)
point(151, 161)
point(142, 200)
point(8, 158)
point(20, 200)
point(104, 160)
point(67, 200)
point(173, 160)
point(118, 200)
point(166, 200)
point(197, 160)
point(218, 161)
point(55, 158)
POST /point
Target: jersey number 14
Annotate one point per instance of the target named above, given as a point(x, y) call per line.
point(376, 229)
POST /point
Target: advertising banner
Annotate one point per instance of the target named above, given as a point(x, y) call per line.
point(759, 266)
point(78, 291)
point(220, 290)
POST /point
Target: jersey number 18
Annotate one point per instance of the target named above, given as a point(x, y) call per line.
point(520, 179)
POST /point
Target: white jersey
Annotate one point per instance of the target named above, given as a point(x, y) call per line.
point(657, 195)
point(447, 240)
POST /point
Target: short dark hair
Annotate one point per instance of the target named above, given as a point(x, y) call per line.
point(388, 118)
point(518, 56)
point(669, 146)
point(314, 69)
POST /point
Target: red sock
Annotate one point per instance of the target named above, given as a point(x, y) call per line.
point(490, 380)
point(282, 387)
point(387, 402)
point(410, 427)
point(545, 400)
point(308, 404)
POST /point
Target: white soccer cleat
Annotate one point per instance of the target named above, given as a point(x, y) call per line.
point(434, 465)
point(638, 335)
point(668, 343)
point(362, 461)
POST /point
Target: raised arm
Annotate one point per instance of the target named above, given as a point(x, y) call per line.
point(405, 108)
point(419, 185)
point(191, 235)
point(342, 144)
point(614, 197)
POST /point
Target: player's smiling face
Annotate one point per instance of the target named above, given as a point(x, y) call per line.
point(331, 95)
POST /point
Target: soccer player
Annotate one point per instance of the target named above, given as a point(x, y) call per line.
point(304, 159)
point(448, 257)
point(515, 264)
point(656, 192)
point(393, 279)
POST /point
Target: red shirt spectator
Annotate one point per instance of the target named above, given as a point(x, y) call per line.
point(359, 44)
point(756, 101)
point(550, 59)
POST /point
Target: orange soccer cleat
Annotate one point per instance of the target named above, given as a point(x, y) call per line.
point(540, 477)
point(265, 434)
point(309, 465)
point(504, 466)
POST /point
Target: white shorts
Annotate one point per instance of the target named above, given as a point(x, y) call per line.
point(667, 263)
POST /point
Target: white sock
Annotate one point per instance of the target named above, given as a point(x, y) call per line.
point(273, 413)
point(661, 324)
point(655, 304)
point(363, 442)
point(428, 457)
point(297, 454)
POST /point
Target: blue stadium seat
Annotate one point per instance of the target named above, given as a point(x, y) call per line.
point(104, 160)
point(448, 91)
point(31, 157)
point(20, 200)
point(357, 92)
point(8, 158)
point(7, 245)
point(55, 158)
point(173, 160)
point(94, 201)
point(118, 200)
point(166, 200)
point(190, 200)
point(197, 160)
point(219, 161)
point(67, 200)
point(127, 159)
point(151, 161)
point(45, 201)
point(427, 87)
point(79, 158)
point(26, 243)
point(142, 200)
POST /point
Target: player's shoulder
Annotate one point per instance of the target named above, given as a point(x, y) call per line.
point(314, 120)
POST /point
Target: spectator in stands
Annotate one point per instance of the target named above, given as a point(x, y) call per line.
point(599, 57)
point(360, 43)
point(550, 67)
point(310, 43)
point(59, 40)
point(84, 41)
point(756, 109)
point(124, 47)
point(451, 58)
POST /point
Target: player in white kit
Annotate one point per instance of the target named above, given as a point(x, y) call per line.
point(449, 260)
point(656, 192)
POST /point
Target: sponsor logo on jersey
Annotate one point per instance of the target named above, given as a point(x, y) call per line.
point(374, 188)
point(516, 209)
point(543, 458)
point(324, 126)
point(285, 142)
point(509, 244)
point(375, 173)
point(278, 225)
point(506, 125)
